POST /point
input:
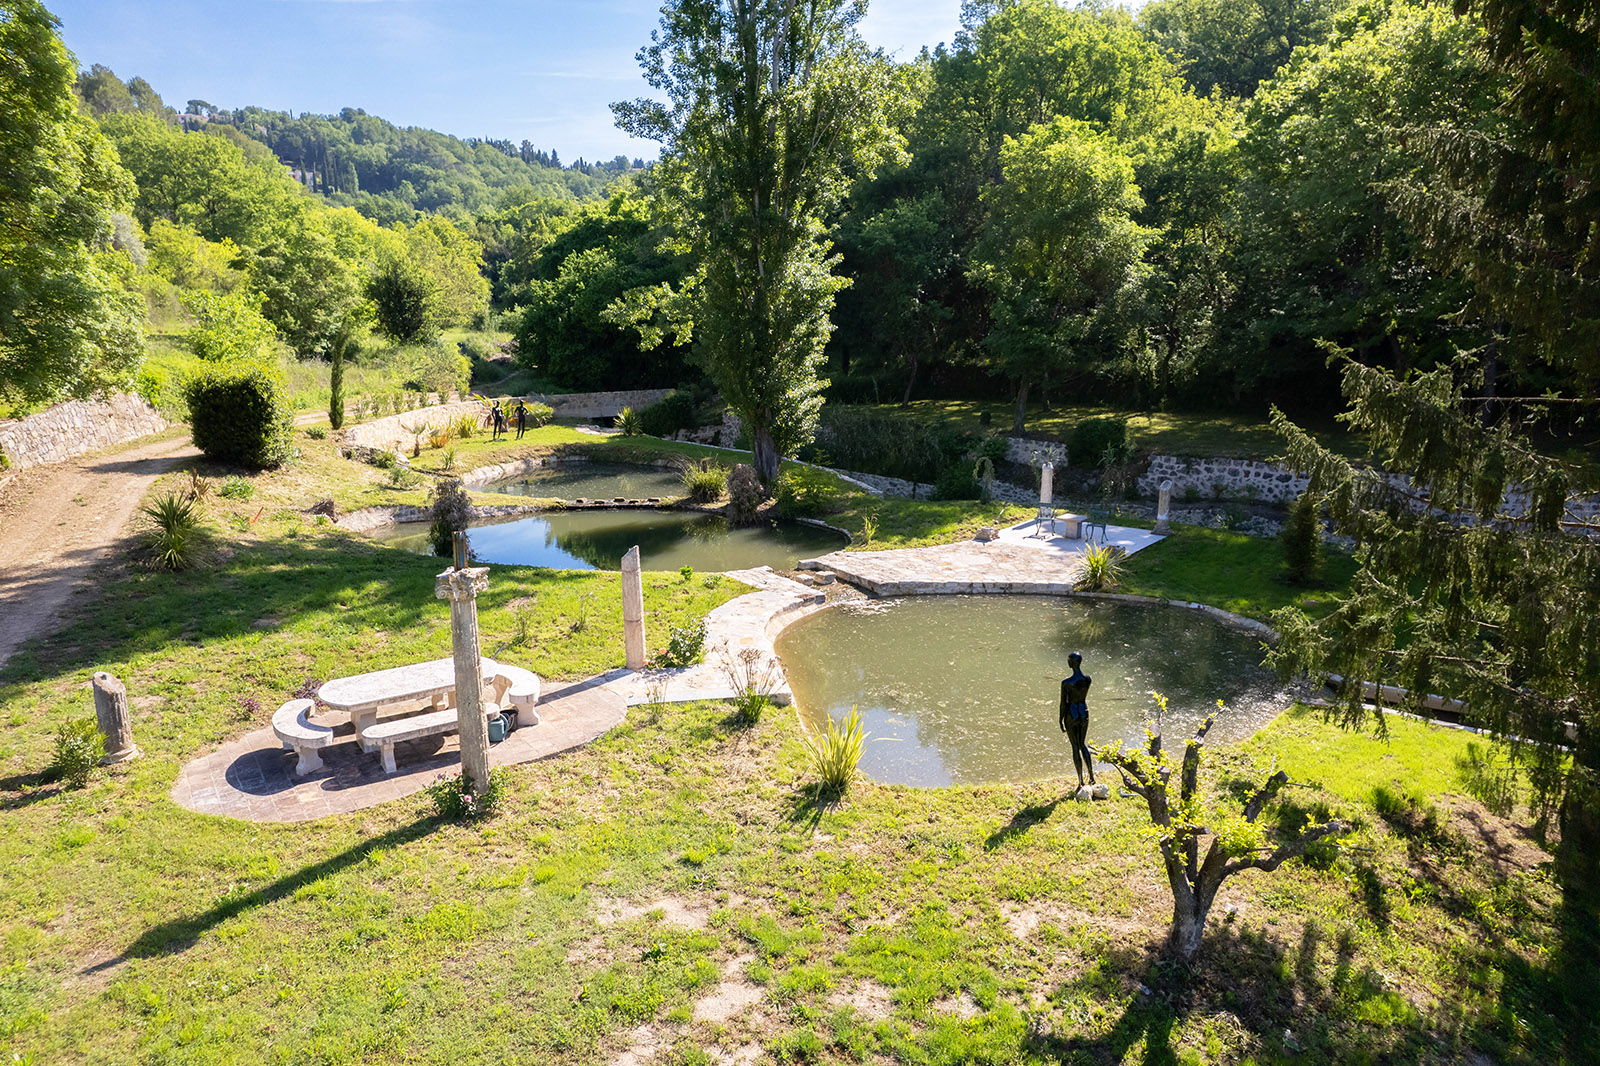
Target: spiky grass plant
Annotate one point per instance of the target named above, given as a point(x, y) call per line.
point(629, 423)
point(705, 483)
point(174, 522)
point(1102, 567)
point(836, 755)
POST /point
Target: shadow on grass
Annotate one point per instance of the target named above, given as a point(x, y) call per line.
point(805, 806)
point(1022, 821)
point(181, 933)
point(29, 788)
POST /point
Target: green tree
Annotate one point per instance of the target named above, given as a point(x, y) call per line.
point(310, 288)
point(67, 325)
point(402, 297)
point(228, 325)
point(772, 104)
point(1059, 247)
point(1231, 46)
point(453, 263)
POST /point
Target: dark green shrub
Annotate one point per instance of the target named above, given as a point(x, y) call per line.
point(1301, 537)
point(452, 513)
point(1093, 438)
point(705, 483)
point(668, 415)
point(79, 747)
point(955, 482)
point(240, 413)
point(454, 798)
point(806, 493)
point(744, 495)
point(540, 414)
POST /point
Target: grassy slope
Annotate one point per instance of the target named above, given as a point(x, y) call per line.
point(134, 931)
point(1229, 570)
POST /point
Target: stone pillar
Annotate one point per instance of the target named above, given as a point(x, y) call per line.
point(1047, 477)
point(461, 588)
point(111, 710)
point(633, 610)
point(1163, 505)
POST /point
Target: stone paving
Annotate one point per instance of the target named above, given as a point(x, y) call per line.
point(252, 777)
point(1020, 561)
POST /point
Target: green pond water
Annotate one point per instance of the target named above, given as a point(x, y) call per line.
point(597, 540)
point(593, 481)
point(965, 689)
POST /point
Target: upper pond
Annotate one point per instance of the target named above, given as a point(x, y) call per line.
point(966, 689)
point(597, 540)
point(593, 481)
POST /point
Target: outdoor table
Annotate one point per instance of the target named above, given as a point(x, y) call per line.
point(364, 695)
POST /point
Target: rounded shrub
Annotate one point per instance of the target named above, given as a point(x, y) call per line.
point(668, 415)
point(240, 413)
point(1093, 438)
point(744, 495)
point(955, 482)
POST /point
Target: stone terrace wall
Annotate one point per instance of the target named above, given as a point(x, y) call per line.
point(1218, 478)
point(389, 434)
point(75, 427)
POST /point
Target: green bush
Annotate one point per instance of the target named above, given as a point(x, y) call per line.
point(439, 369)
point(452, 513)
point(668, 415)
point(686, 645)
point(240, 413)
point(454, 799)
point(629, 423)
point(1301, 537)
point(705, 483)
point(237, 488)
point(79, 747)
point(540, 414)
point(806, 493)
point(1094, 437)
point(317, 432)
point(174, 521)
point(955, 482)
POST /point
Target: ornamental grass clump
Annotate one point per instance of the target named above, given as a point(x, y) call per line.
point(629, 423)
point(1102, 567)
point(174, 528)
point(836, 755)
point(705, 483)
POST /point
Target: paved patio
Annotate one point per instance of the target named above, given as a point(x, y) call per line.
point(252, 777)
point(1023, 560)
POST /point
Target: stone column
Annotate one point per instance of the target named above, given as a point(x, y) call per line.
point(461, 588)
point(1047, 477)
point(633, 610)
point(1163, 505)
point(111, 710)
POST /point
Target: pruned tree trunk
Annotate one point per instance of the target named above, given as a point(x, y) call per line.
point(1020, 417)
point(911, 381)
point(1195, 881)
point(765, 452)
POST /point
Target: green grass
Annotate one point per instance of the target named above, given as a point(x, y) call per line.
point(1198, 434)
point(1230, 570)
point(133, 931)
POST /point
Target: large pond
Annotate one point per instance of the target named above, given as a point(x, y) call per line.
point(597, 540)
point(966, 689)
point(593, 481)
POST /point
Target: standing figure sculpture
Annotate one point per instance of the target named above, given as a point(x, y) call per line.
point(1075, 716)
point(498, 415)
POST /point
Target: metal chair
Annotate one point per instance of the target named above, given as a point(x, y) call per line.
point(1096, 520)
point(1045, 518)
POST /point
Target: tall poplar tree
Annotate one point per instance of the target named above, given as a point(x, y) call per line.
point(772, 106)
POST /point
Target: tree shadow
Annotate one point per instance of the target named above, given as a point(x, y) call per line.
point(181, 933)
point(29, 788)
point(1022, 821)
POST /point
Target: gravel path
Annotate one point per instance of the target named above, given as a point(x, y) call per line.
point(57, 523)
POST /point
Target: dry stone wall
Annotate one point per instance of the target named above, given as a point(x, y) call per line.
point(1208, 479)
point(390, 434)
point(75, 427)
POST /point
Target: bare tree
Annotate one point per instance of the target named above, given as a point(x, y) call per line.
point(1236, 843)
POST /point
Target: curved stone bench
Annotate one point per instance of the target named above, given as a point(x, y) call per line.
point(293, 725)
point(518, 688)
point(387, 734)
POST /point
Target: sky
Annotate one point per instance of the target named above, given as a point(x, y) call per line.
point(537, 70)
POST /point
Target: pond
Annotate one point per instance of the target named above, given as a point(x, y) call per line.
point(597, 540)
point(965, 689)
point(592, 481)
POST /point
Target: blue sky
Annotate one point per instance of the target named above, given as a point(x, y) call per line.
point(544, 71)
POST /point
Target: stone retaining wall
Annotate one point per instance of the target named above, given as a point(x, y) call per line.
point(75, 427)
point(389, 434)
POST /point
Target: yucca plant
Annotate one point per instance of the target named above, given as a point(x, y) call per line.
point(1102, 567)
point(174, 521)
point(629, 422)
point(837, 753)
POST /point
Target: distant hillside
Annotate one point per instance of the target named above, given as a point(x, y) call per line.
point(384, 171)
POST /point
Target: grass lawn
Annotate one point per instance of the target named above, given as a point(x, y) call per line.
point(675, 890)
point(1230, 570)
point(1196, 434)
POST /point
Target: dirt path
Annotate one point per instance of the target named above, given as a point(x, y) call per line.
point(58, 522)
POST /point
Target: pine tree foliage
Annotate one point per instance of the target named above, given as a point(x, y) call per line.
point(1477, 580)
